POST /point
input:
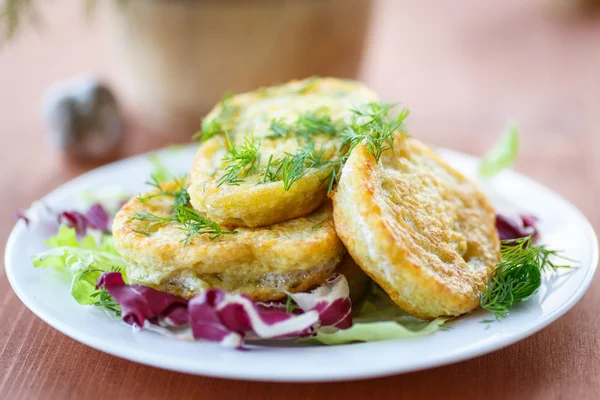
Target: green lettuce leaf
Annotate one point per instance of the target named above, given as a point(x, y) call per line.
point(379, 318)
point(376, 331)
point(503, 154)
point(85, 260)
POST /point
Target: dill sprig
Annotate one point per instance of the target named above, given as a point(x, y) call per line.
point(292, 169)
point(192, 223)
point(221, 124)
point(242, 160)
point(372, 127)
point(280, 128)
point(335, 172)
point(310, 124)
point(196, 224)
point(295, 166)
point(306, 126)
point(272, 170)
point(518, 276)
point(103, 298)
point(106, 301)
point(152, 219)
point(180, 195)
point(209, 128)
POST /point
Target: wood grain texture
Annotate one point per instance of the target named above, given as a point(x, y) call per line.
point(462, 68)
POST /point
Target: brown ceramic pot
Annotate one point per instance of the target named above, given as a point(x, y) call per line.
point(176, 58)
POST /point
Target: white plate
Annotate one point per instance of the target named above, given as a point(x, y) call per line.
point(46, 293)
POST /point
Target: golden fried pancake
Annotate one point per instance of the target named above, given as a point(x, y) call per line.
point(312, 112)
point(419, 228)
point(261, 263)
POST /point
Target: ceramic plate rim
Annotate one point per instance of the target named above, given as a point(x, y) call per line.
point(247, 374)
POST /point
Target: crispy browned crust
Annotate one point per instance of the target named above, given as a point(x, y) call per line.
point(260, 262)
point(419, 228)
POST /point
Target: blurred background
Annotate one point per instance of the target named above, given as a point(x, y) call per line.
point(152, 68)
point(463, 67)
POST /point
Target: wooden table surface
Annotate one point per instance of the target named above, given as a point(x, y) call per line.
point(462, 68)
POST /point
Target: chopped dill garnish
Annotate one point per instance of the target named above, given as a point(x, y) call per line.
point(280, 128)
point(103, 298)
point(370, 125)
point(242, 160)
point(180, 195)
point(518, 276)
point(221, 124)
point(307, 125)
point(196, 224)
point(310, 124)
point(334, 173)
point(295, 166)
point(209, 128)
point(106, 301)
point(192, 222)
point(272, 170)
point(292, 169)
point(153, 219)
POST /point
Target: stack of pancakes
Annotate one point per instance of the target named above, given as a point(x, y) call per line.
point(412, 223)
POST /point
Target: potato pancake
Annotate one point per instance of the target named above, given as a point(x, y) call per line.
point(267, 154)
point(261, 263)
point(419, 228)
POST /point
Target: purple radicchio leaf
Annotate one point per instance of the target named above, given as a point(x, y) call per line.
point(95, 217)
point(40, 215)
point(227, 318)
point(142, 303)
point(277, 305)
point(74, 219)
point(516, 228)
point(98, 218)
point(331, 300)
